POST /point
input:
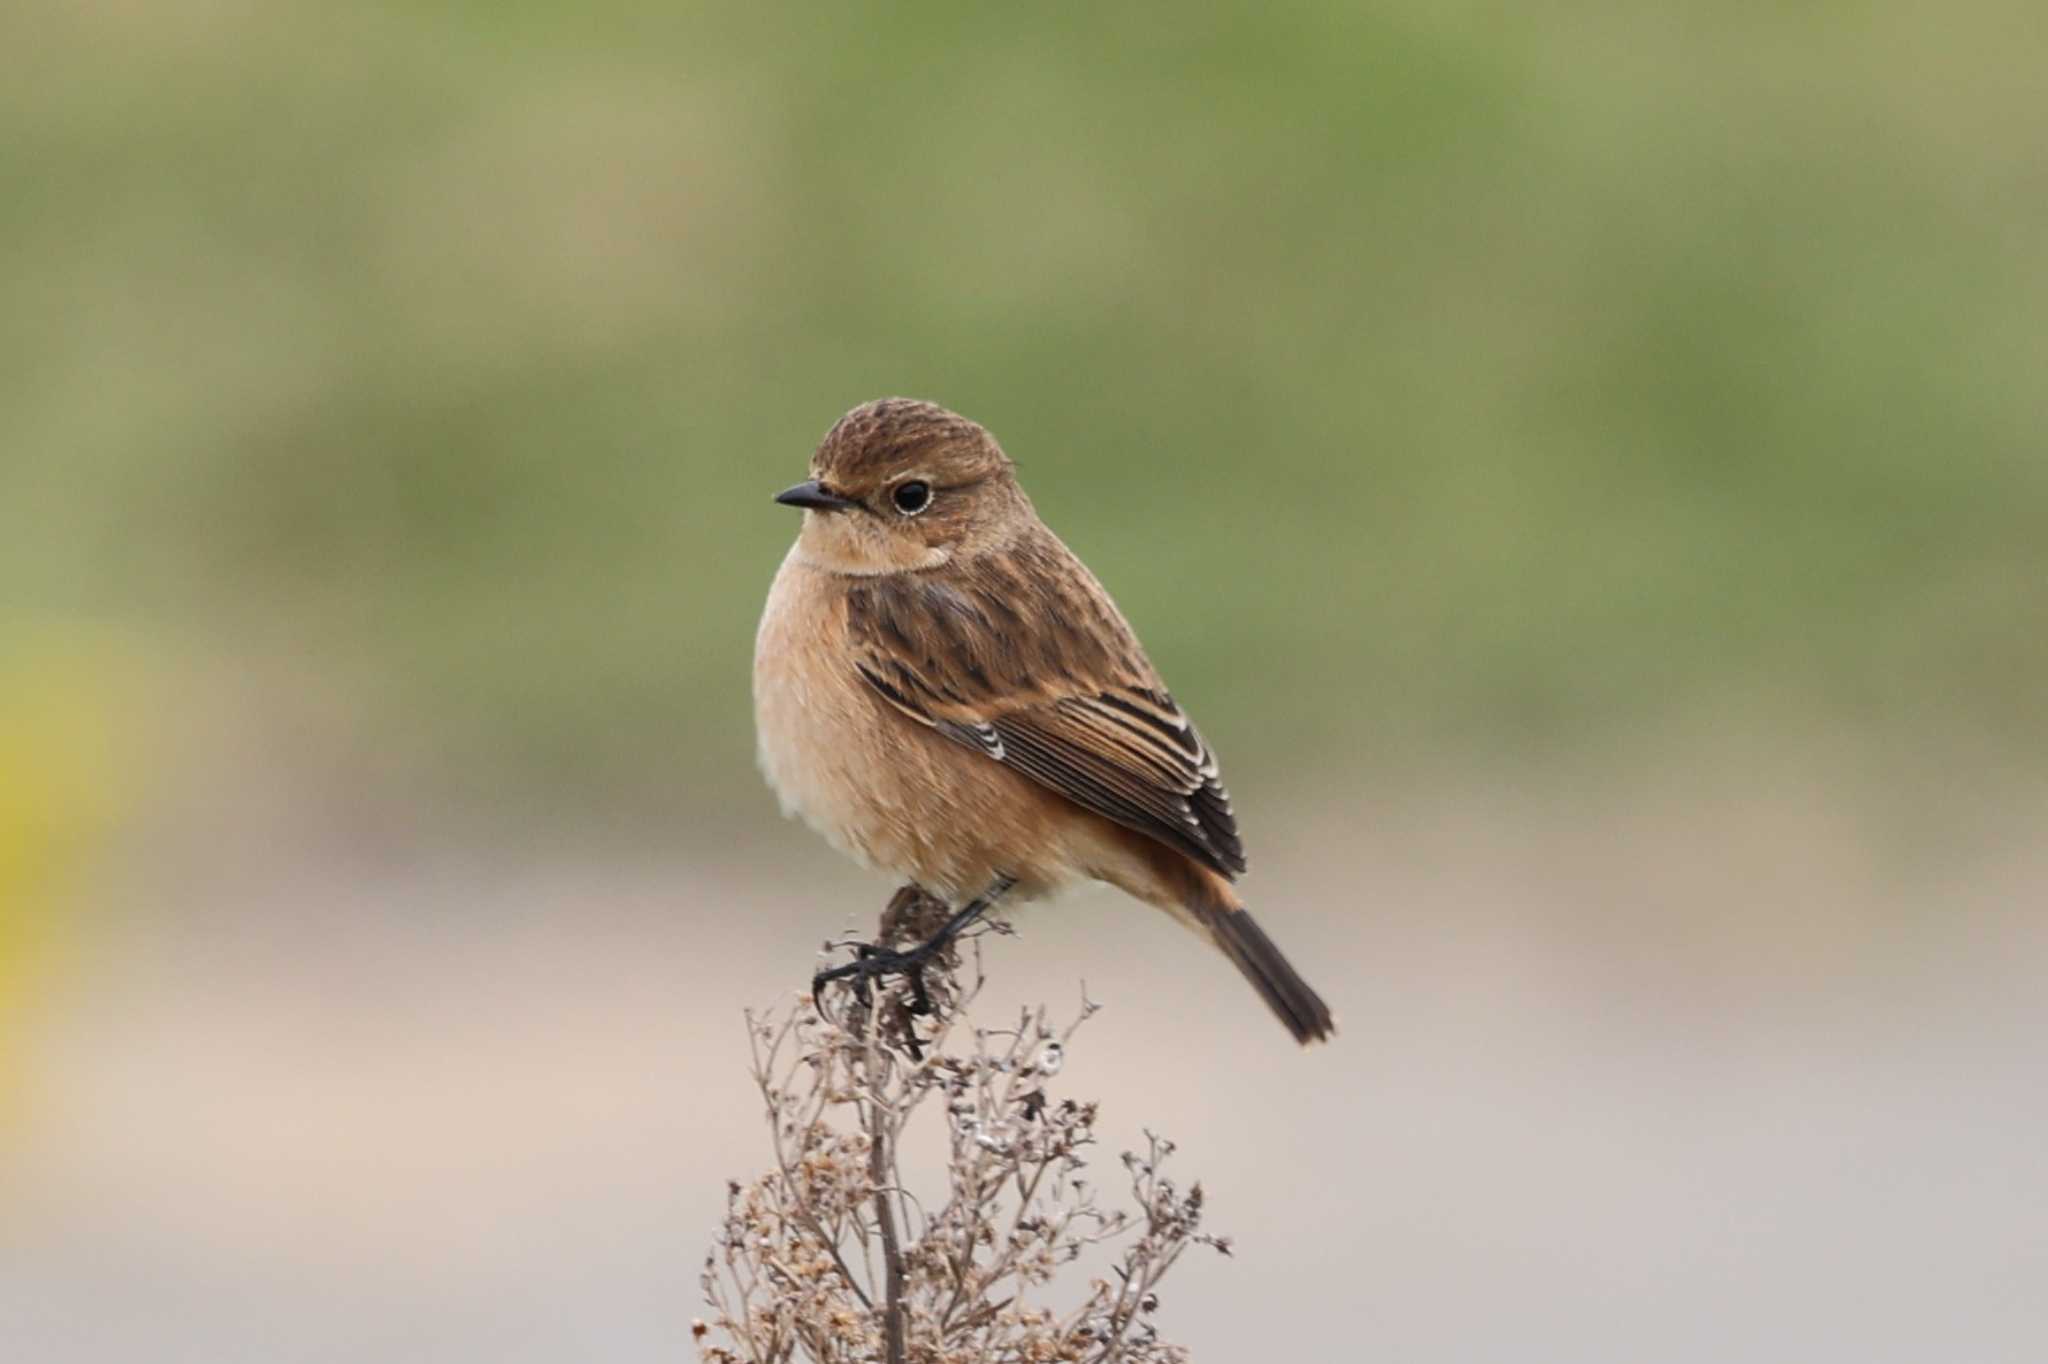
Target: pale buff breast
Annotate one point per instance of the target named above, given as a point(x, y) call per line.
point(883, 789)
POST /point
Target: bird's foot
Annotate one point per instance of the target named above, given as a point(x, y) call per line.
point(873, 963)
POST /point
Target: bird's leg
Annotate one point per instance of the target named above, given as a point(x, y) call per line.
point(874, 962)
point(959, 923)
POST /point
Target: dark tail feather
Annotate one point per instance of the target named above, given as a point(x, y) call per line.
point(1283, 989)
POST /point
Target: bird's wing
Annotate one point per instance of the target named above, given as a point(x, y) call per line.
point(1025, 660)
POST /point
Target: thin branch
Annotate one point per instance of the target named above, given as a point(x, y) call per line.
point(881, 1161)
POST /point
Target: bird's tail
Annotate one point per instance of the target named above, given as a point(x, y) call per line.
point(1290, 998)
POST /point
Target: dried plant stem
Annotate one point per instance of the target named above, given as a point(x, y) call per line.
point(830, 1258)
point(764, 1072)
point(881, 1163)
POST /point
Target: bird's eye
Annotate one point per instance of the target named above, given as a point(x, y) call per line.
point(912, 497)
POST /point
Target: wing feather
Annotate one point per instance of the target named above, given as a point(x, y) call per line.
point(1025, 661)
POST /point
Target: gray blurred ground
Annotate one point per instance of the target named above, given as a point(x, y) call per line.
point(1705, 1068)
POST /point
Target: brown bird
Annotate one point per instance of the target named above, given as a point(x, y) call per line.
point(945, 692)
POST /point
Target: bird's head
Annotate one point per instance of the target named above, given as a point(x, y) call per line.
point(899, 485)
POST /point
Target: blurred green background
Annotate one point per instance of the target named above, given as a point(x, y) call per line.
point(1494, 379)
point(1585, 466)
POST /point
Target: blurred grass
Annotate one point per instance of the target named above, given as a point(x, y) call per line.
point(62, 789)
point(1424, 379)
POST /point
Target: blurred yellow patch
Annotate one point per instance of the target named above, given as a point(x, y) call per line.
point(62, 779)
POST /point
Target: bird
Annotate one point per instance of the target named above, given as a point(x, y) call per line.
point(945, 692)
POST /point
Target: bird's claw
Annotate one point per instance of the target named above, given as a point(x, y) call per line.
point(872, 963)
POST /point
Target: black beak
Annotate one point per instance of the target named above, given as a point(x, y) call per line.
point(813, 496)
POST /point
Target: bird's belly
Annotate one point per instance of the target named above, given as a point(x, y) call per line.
point(815, 750)
point(839, 762)
point(881, 788)
point(826, 747)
